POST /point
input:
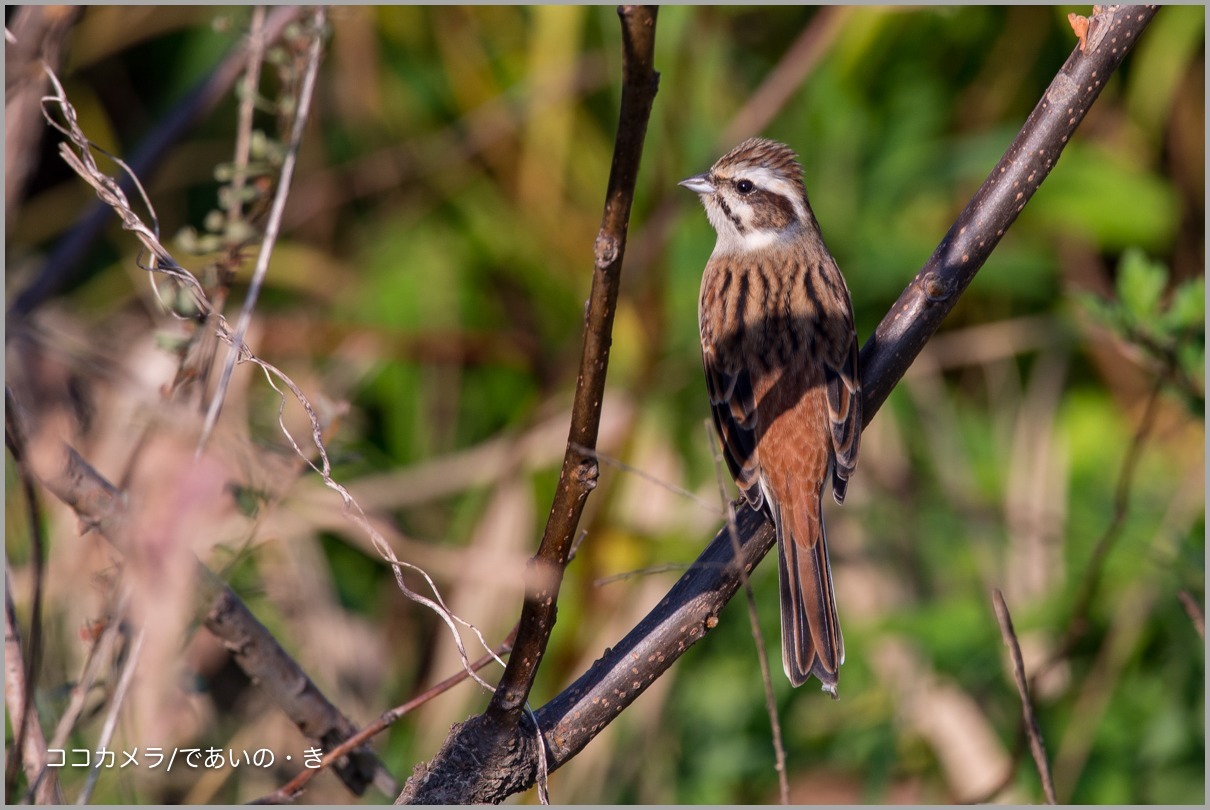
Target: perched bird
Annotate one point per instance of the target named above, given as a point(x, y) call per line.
point(780, 354)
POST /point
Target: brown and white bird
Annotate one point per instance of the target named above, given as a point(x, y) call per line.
point(780, 353)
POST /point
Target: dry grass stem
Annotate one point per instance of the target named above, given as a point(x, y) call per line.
point(273, 226)
point(1090, 581)
point(129, 666)
point(1036, 746)
point(28, 749)
point(646, 476)
point(791, 71)
point(758, 637)
point(247, 106)
point(1196, 614)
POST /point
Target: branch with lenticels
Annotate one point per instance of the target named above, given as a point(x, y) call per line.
point(690, 609)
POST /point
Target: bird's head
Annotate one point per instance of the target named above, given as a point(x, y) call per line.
point(754, 196)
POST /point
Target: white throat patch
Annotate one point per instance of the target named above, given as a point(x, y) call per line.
point(730, 241)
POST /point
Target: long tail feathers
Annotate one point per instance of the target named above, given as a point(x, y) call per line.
point(811, 642)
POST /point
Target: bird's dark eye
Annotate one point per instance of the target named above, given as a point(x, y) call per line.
point(745, 187)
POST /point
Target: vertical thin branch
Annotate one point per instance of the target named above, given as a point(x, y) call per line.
point(14, 440)
point(1036, 746)
point(1195, 612)
point(247, 107)
point(580, 469)
point(100, 652)
point(1091, 580)
point(762, 655)
point(29, 746)
point(111, 718)
point(273, 226)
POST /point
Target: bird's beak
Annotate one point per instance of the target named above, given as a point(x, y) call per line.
point(699, 184)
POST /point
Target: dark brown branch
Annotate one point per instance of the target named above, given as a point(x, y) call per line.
point(1036, 746)
point(578, 477)
point(482, 746)
point(261, 657)
point(574, 717)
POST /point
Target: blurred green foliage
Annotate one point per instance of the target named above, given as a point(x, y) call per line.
point(433, 269)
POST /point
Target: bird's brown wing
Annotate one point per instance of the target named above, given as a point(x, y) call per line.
point(733, 406)
point(843, 384)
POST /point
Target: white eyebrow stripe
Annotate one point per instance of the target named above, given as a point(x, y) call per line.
point(776, 183)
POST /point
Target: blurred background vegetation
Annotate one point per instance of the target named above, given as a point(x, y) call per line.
point(428, 292)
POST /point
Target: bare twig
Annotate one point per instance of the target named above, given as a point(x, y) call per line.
point(111, 718)
point(501, 722)
point(273, 226)
point(762, 657)
point(662, 568)
point(31, 755)
point(580, 471)
point(1196, 615)
point(610, 461)
point(1091, 580)
point(100, 652)
point(262, 658)
point(247, 107)
point(1031, 156)
point(294, 788)
point(1036, 746)
point(29, 747)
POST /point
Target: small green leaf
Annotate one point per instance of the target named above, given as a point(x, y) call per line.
point(1140, 284)
point(1188, 308)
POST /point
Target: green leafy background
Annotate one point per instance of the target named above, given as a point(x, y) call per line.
point(436, 256)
